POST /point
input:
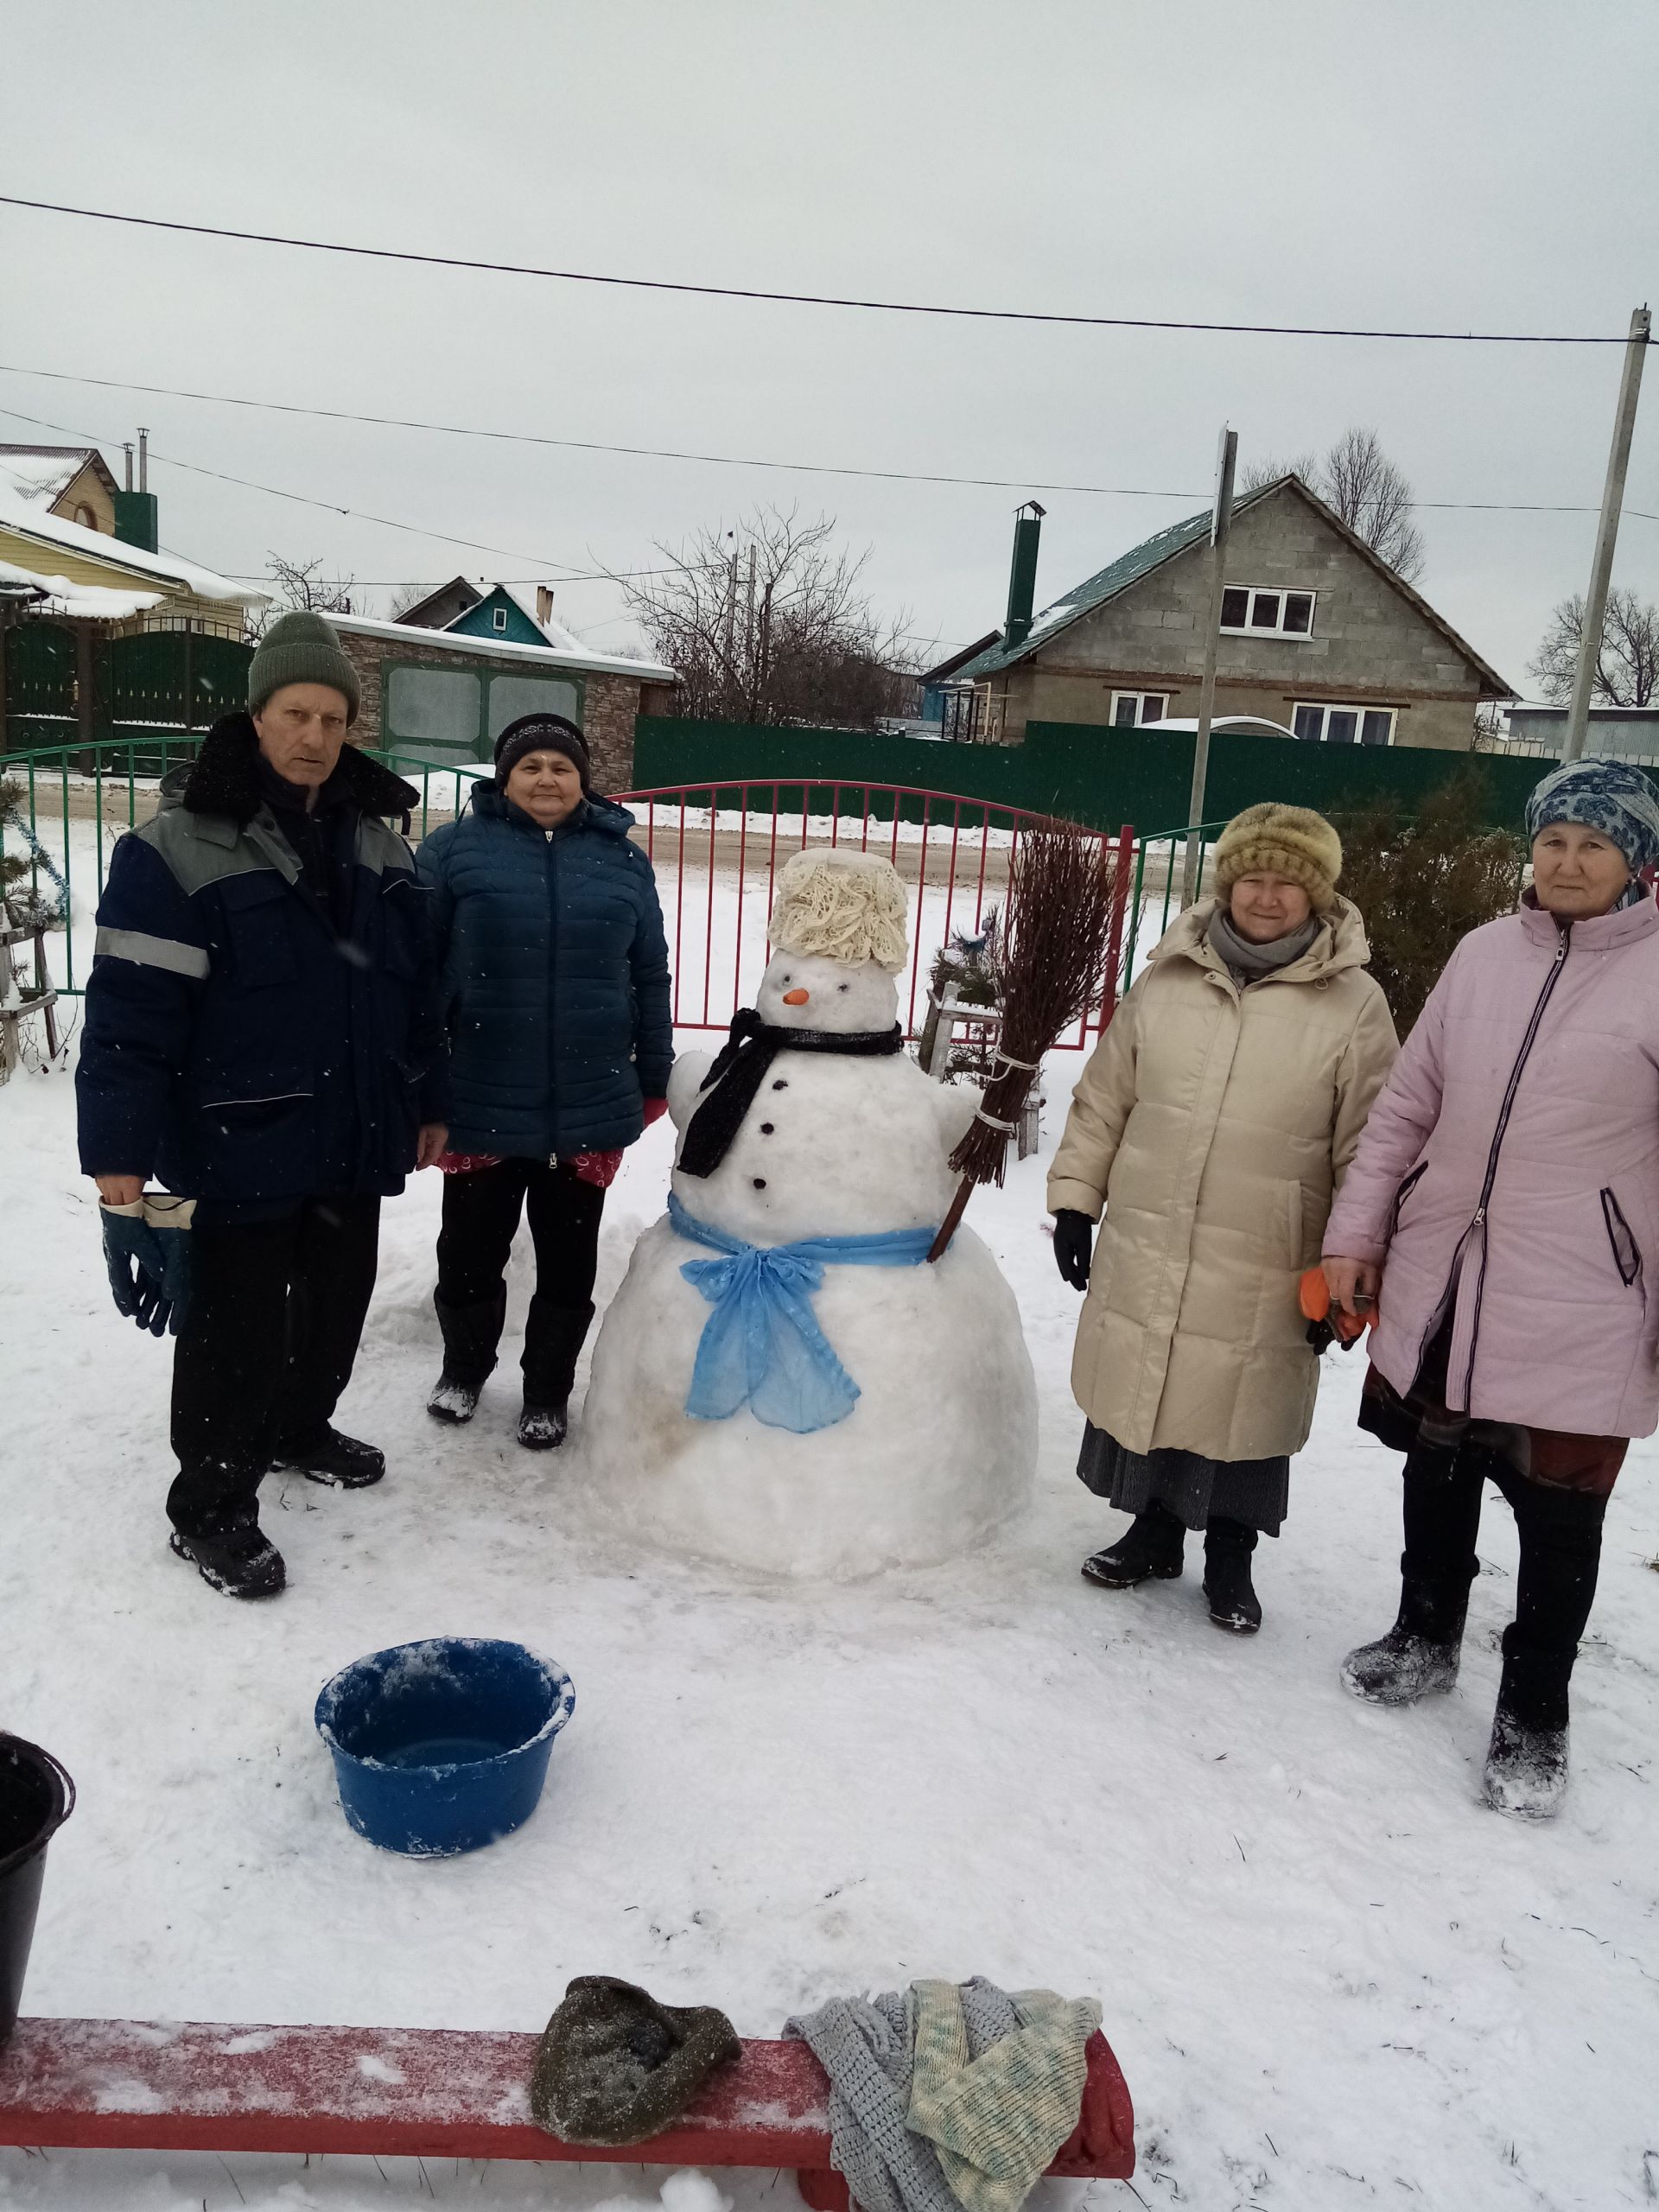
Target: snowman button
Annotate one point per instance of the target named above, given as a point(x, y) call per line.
point(782, 1084)
point(759, 1182)
point(766, 1129)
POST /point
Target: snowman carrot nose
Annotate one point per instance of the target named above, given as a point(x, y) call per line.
point(797, 997)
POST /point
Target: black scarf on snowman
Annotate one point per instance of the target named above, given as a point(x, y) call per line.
point(728, 1090)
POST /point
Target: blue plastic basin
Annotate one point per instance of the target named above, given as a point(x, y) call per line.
point(441, 1746)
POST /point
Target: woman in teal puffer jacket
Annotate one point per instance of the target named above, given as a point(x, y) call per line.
point(556, 994)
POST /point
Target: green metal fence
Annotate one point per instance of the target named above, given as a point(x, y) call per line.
point(151, 687)
point(1099, 776)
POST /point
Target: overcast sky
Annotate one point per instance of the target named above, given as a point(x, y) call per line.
point(1471, 166)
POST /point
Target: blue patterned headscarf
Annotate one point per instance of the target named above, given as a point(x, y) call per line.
point(1606, 796)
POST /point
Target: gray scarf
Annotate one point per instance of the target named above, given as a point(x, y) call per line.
point(1248, 963)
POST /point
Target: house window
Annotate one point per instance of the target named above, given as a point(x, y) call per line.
point(1253, 610)
point(1344, 725)
point(500, 618)
point(1131, 708)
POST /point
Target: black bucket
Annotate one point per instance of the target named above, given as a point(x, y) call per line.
point(36, 1798)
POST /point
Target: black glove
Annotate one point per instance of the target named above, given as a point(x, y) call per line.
point(1074, 1241)
point(148, 1268)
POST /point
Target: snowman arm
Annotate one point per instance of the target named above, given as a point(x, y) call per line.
point(956, 1106)
point(684, 1083)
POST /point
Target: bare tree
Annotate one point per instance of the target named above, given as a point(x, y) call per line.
point(301, 584)
point(1370, 494)
point(1627, 666)
point(404, 598)
point(767, 622)
point(1258, 473)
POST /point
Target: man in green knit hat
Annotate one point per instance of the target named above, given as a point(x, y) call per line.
point(262, 1035)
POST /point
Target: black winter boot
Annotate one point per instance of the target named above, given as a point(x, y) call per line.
point(1233, 1602)
point(1440, 1509)
point(554, 1336)
point(1149, 1550)
point(471, 1334)
point(1419, 1655)
point(543, 1428)
point(1526, 1762)
point(343, 1461)
point(235, 1556)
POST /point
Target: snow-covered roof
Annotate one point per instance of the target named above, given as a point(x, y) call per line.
point(81, 602)
point(523, 598)
point(167, 569)
point(39, 474)
point(572, 654)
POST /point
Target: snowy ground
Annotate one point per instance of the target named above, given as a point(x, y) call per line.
point(1332, 1978)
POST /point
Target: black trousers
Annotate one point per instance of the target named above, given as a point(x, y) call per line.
point(481, 1212)
point(1559, 1531)
point(276, 1311)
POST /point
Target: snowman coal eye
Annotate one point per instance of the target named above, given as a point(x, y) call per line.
point(841, 987)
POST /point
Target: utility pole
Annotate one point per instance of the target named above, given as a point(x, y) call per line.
point(1220, 522)
point(1601, 568)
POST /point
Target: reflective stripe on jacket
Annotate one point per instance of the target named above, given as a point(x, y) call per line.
point(239, 1044)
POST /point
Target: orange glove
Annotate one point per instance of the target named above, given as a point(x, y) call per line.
point(1313, 1296)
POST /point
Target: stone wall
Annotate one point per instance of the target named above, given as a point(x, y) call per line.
point(1370, 646)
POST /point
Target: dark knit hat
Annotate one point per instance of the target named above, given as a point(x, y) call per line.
point(614, 2066)
point(301, 648)
point(540, 733)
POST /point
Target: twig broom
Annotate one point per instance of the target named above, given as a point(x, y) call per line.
point(1055, 931)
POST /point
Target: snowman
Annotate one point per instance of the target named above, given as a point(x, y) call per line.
point(782, 1380)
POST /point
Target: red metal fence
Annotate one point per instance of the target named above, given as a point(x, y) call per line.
point(717, 850)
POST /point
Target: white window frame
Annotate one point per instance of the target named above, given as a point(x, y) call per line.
point(1324, 709)
point(1141, 699)
point(1281, 592)
point(499, 614)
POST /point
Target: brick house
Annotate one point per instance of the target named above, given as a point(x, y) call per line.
point(443, 696)
point(1318, 634)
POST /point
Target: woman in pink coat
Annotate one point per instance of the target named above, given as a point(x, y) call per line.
point(1498, 1218)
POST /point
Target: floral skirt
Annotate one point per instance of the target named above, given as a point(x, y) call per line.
point(1192, 1488)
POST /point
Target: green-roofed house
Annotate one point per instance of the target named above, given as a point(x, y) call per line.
point(1319, 636)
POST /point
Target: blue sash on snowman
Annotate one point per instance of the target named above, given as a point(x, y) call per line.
point(762, 1347)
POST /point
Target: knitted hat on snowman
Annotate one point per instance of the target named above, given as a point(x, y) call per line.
point(841, 905)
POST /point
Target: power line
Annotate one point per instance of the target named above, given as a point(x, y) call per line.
point(730, 460)
point(810, 299)
point(552, 571)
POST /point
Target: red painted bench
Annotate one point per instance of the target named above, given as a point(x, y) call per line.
point(152, 2085)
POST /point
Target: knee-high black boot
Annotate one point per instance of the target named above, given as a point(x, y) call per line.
point(554, 1336)
point(471, 1334)
point(1441, 1512)
point(1561, 1552)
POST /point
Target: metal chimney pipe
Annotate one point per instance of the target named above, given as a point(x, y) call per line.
point(544, 603)
point(127, 449)
point(143, 459)
point(1022, 576)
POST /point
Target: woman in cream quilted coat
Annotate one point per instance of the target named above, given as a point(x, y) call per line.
point(1211, 1126)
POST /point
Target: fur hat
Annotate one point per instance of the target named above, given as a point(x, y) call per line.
point(301, 648)
point(844, 906)
point(613, 2066)
point(1289, 841)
